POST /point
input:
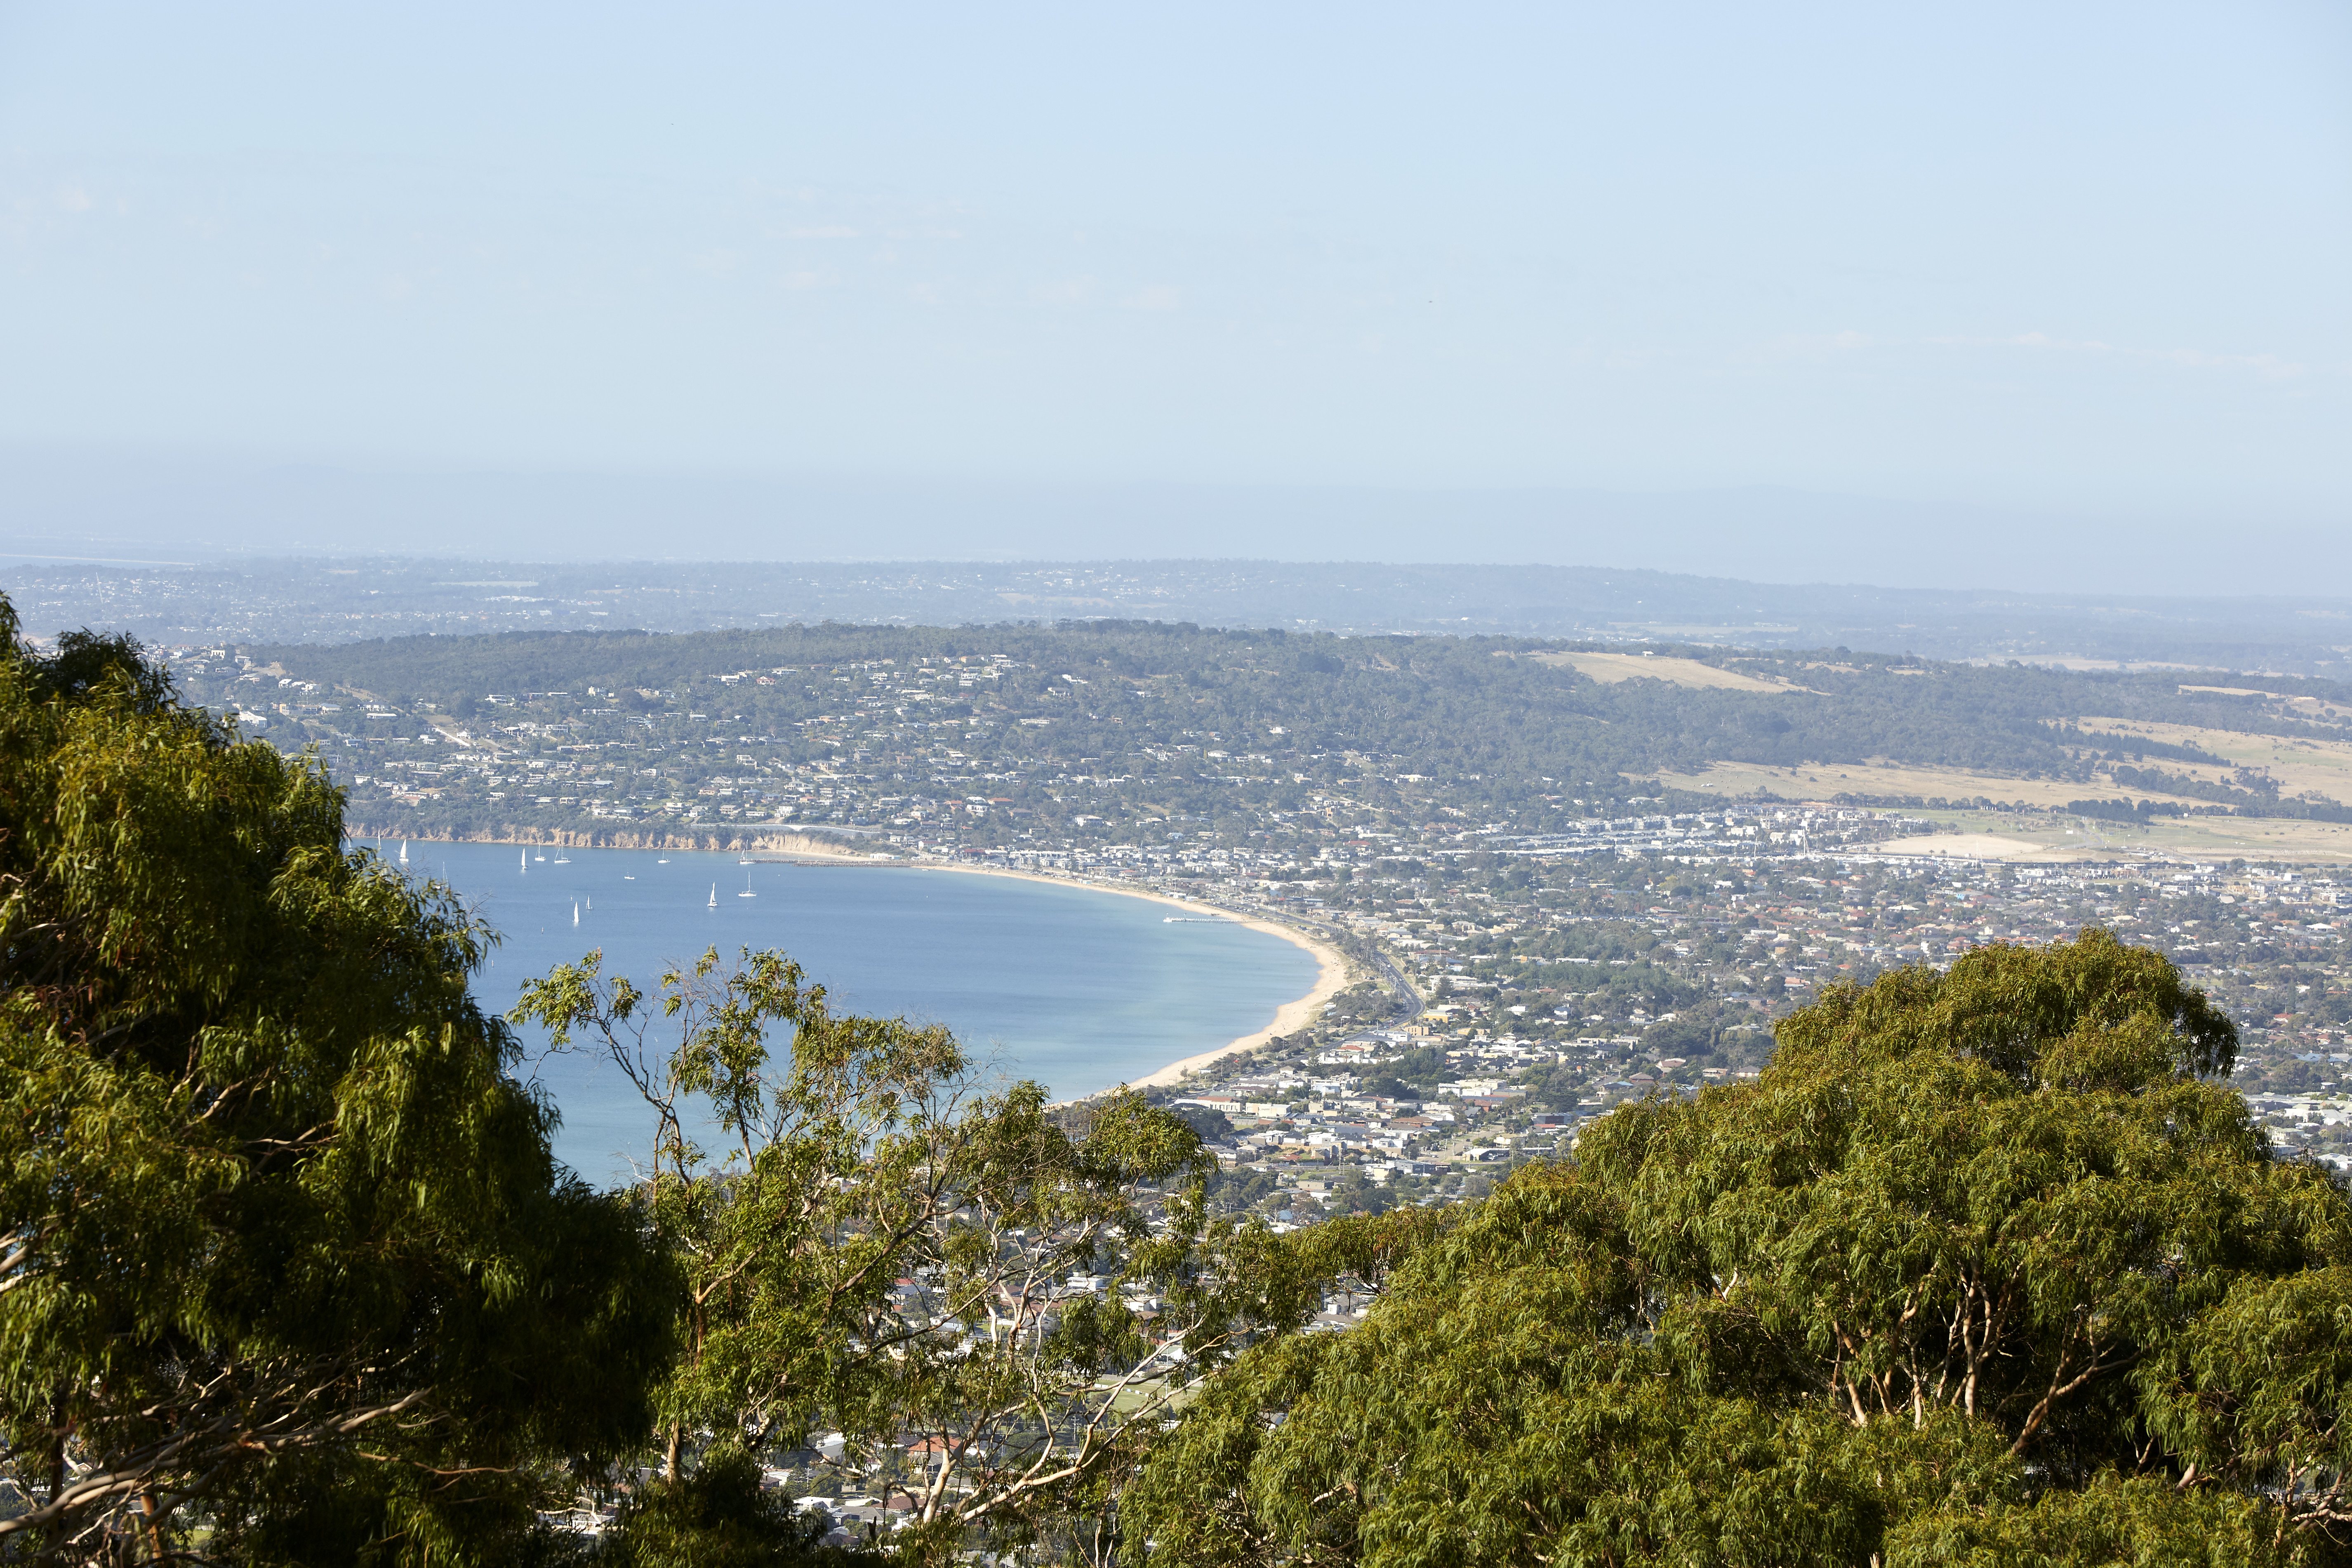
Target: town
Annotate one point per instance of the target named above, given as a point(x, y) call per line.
point(1523, 957)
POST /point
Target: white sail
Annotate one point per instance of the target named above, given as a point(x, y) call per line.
point(526, 859)
point(403, 851)
point(576, 914)
point(714, 895)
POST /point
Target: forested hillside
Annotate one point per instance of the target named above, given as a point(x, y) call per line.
point(1469, 699)
point(1512, 728)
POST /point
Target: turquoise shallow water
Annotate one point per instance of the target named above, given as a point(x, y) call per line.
point(1077, 988)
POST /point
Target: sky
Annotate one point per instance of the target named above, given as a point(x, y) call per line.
point(1426, 282)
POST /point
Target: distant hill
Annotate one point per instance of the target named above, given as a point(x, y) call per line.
point(321, 600)
point(1176, 718)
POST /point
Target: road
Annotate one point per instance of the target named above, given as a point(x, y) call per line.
point(1393, 977)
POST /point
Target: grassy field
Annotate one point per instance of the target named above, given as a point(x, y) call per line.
point(2046, 831)
point(2298, 764)
point(2195, 837)
point(1611, 668)
point(1881, 778)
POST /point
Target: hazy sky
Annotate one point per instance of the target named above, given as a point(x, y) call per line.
point(2083, 258)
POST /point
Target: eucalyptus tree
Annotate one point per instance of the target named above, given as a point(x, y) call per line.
point(284, 1258)
point(992, 1303)
point(1988, 1266)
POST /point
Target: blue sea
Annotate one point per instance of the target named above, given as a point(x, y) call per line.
point(1075, 988)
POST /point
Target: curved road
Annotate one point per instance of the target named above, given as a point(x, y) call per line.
point(1390, 974)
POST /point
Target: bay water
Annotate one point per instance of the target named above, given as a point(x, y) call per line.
point(1074, 987)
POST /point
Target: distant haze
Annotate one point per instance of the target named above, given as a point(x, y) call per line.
point(2010, 295)
point(140, 510)
point(255, 601)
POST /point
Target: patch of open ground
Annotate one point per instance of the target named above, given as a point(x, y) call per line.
point(2059, 836)
point(2299, 705)
point(1741, 636)
point(1968, 846)
point(2298, 764)
point(1610, 667)
point(2067, 662)
point(1822, 780)
point(2045, 830)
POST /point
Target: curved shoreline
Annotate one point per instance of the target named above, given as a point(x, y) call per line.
point(1332, 968)
point(1331, 971)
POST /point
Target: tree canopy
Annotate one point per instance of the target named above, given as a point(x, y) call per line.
point(284, 1255)
point(1986, 1266)
point(996, 1304)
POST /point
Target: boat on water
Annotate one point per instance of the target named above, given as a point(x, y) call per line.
point(576, 914)
point(663, 861)
point(714, 896)
point(526, 859)
point(563, 859)
point(628, 876)
point(747, 892)
point(403, 851)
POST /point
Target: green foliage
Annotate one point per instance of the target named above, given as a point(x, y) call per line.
point(1420, 1069)
point(2137, 1521)
point(1984, 1268)
point(719, 1518)
point(995, 1304)
point(1987, 1266)
point(1212, 1125)
point(281, 1235)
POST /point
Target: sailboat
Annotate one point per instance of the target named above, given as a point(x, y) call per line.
point(563, 859)
point(526, 859)
point(576, 914)
point(747, 892)
point(403, 851)
point(714, 895)
point(591, 902)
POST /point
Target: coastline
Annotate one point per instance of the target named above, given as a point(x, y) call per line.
point(780, 838)
point(1330, 978)
point(1331, 968)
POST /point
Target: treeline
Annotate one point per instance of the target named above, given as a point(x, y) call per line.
point(2120, 809)
point(2253, 794)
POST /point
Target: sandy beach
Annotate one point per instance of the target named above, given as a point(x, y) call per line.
point(1331, 971)
point(1331, 974)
